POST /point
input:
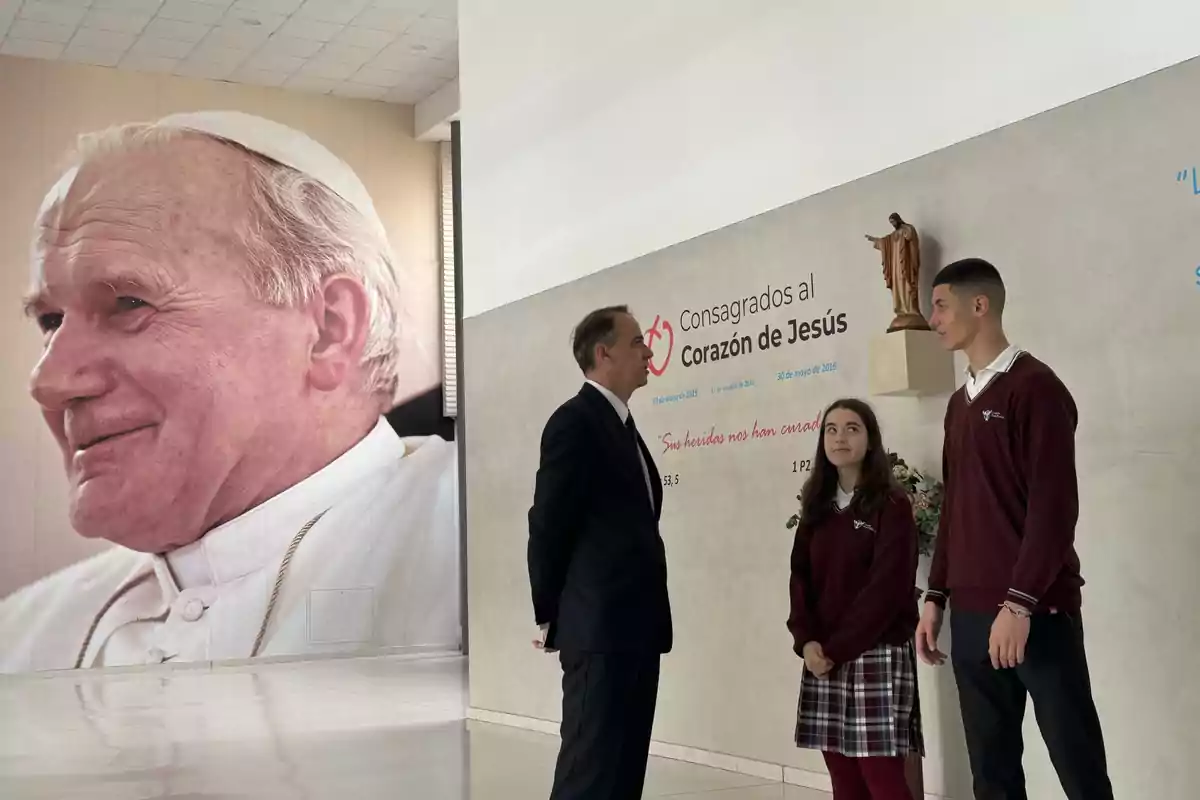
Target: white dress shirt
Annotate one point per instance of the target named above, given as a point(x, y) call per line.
point(379, 569)
point(623, 412)
point(978, 381)
point(843, 498)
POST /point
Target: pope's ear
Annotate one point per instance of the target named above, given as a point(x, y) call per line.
point(340, 311)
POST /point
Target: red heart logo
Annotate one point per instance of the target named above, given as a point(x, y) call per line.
point(661, 329)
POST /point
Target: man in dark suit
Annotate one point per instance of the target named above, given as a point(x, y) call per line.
point(598, 568)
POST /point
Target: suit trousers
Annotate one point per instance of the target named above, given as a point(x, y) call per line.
point(608, 714)
point(1055, 675)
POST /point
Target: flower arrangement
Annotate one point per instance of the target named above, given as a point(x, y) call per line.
point(926, 495)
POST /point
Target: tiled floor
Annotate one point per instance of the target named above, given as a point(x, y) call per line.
point(336, 730)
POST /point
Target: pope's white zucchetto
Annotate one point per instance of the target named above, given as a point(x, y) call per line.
point(285, 145)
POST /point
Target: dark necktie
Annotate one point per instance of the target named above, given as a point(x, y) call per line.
point(637, 450)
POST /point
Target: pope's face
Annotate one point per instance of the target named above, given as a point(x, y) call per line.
point(166, 385)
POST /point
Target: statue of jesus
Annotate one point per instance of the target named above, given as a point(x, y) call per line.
point(901, 251)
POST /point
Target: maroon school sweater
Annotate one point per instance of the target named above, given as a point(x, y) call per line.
point(1007, 530)
point(852, 581)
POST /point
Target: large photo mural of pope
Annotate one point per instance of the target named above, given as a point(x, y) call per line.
point(219, 315)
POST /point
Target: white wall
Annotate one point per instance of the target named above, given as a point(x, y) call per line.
point(597, 132)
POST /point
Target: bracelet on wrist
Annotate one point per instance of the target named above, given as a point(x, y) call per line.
point(1016, 610)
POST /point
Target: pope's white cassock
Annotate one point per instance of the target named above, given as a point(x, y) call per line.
point(379, 568)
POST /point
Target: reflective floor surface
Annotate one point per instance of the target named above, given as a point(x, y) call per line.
point(325, 730)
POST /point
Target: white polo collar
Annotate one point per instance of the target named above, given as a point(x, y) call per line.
point(977, 382)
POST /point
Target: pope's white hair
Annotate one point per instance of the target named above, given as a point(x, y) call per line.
point(299, 233)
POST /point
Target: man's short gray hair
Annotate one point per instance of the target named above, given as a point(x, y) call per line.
point(300, 233)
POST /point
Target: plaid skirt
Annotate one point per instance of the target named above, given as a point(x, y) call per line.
point(867, 707)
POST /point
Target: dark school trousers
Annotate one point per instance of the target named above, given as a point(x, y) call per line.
point(1055, 676)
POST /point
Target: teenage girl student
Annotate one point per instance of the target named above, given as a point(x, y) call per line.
point(853, 614)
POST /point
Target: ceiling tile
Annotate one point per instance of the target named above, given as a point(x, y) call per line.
point(92, 55)
point(204, 69)
point(173, 29)
point(442, 69)
point(57, 13)
point(331, 10)
point(262, 21)
point(346, 54)
point(426, 84)
point(162, 48)
point(426, 49)
point(284, 7)
point(330, 70)
point(41, 31)
point(377, 76)
point(142, 63)
point(365, 37)
point(416, 6)
point(385, 19)
point(237, 36)
point(189, 11)
point(444, 9)
point(260, 77)
point(435, 28)
point(308, 83)
point(141, 6)
point(394, 50)
point(28, 48)
point(423, 46)
point(267, 62)
point(291, 46)
point(208, 52)
point(398, 56)
point(312, 29)
point(117, 21)
point(359, 91)
point(103, 40)
point(447, 52)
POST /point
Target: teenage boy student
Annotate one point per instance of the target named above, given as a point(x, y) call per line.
point(1005, 555)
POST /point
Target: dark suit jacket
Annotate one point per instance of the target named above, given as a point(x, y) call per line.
point(597, 565)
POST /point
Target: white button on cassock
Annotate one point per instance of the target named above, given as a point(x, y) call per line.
point(192, 610)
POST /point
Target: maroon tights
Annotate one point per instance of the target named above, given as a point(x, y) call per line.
point(880, 778)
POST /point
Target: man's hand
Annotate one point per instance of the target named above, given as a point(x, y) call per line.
point(928, 631)
point(539, 643)
point(1010, 632)
point(815, 660)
